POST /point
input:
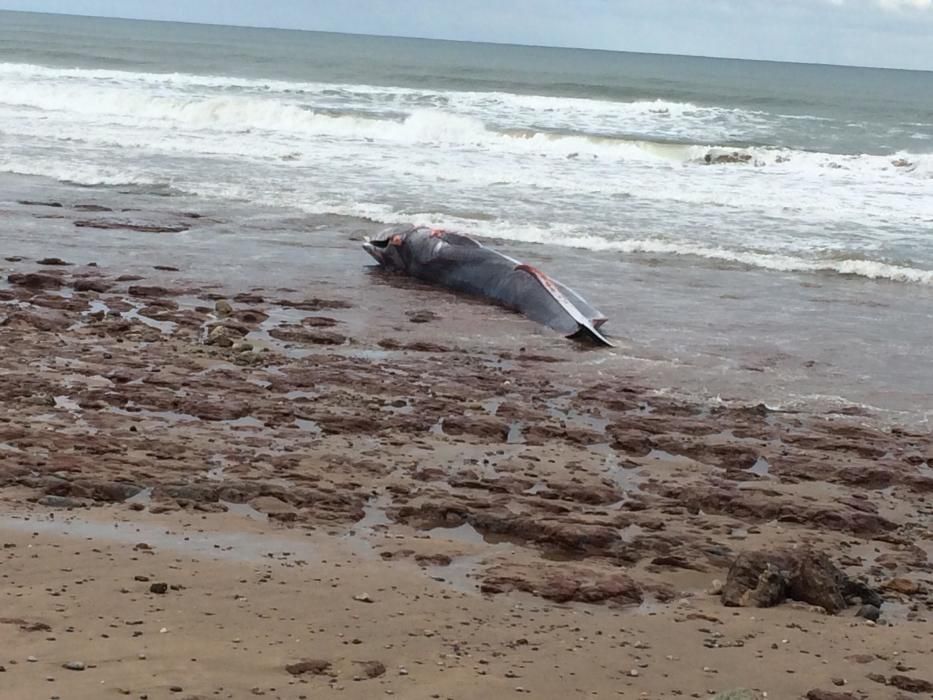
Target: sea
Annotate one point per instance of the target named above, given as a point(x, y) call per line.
point(725, 210)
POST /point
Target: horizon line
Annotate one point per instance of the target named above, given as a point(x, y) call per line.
point(467, 41)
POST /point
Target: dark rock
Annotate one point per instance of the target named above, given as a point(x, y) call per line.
point(152, 291)
point(315, 667)
point(764, 579)
point(904, 586)
point(418, 346)
point(249, 317)
point(486, 427)
point(53, 261)
point(61, 502)
point(44, 321)
point(422, 316)
point(126, 225)
point(159, 588)
point(564, 584)
point(319, 322)
point(433, 559)
point(248, 298)
point(24, 625)
point(315, 304)
point(734, 157)
point(92, 285)
point(911, 685)
point(298, 334)
point(869, 612)
point(29, 203)
point(92, 207)
point(829, 695)
point(35, 280)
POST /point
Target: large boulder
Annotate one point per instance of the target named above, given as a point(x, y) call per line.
point(764, 579)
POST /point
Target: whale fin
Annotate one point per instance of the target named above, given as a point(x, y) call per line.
point(586, 328)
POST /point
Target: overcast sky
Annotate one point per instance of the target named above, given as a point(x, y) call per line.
point(891, 33)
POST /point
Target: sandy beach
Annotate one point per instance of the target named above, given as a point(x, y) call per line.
point(235, 489)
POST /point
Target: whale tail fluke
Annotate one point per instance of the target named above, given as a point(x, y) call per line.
point(587, 319)
point(588, 333)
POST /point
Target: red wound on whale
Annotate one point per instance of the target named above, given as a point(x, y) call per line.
point(540, 276)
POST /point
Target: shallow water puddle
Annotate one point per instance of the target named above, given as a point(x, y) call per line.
point(515, 436)
point(165, 327)
point(67, 403)
point(761, 468)
point(308, 425)
point(245, 510)
point(231, 546)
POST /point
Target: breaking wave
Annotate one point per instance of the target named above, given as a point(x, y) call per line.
point(520, 160)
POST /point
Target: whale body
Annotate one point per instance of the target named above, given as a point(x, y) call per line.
point(463, 264)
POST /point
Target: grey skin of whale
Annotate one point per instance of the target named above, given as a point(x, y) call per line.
point(462, 264)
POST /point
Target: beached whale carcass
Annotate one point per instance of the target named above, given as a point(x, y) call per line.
point(460, 263)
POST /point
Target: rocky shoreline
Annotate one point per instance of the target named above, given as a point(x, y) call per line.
point(520, 503)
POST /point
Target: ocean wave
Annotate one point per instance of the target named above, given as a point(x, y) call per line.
point(870, 269)
point(236, 114)
point(499, 108)
point(570, 238)
point(563, 235)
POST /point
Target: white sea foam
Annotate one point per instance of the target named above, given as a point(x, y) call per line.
point(238, 114)
point(642, 177)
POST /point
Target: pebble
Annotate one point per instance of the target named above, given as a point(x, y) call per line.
point(74, 665)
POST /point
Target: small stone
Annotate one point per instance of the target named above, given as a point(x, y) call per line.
point(223, 308)
point(221, 336)
point(74, 666)
point(372, 669)
point(315, 667)
point(737, 694)
point(159, 588)
point(870, 612)
point(363, 598)
point(422, 316)
point(633, 673)
point(31, 659)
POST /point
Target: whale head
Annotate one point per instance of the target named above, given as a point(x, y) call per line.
point(390, 247)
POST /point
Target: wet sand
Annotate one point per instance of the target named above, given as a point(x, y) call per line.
point(408, 504)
